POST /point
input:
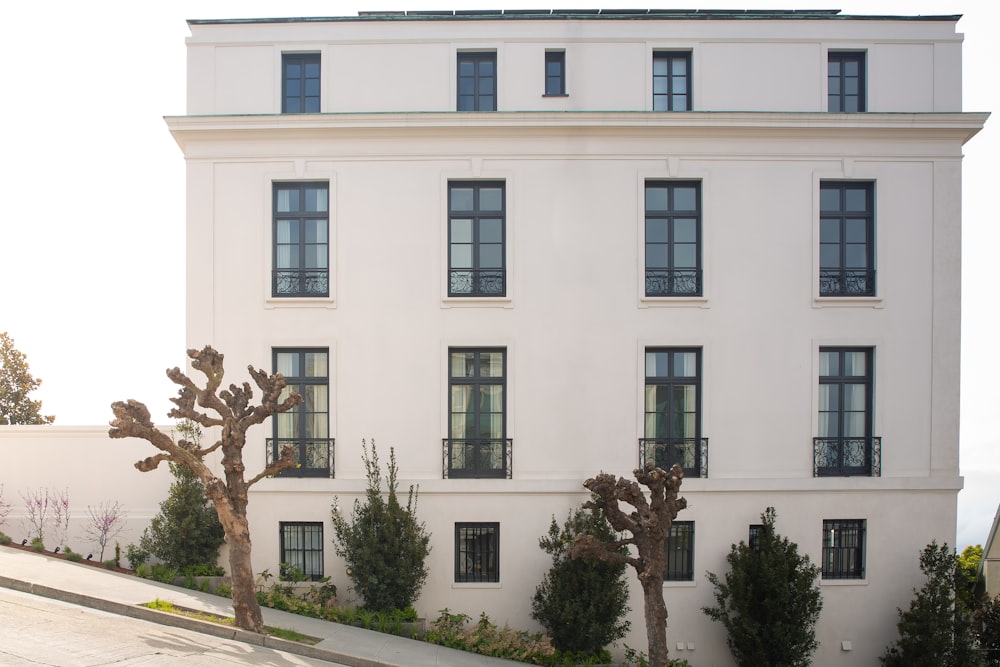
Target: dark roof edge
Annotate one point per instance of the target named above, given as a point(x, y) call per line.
point(585, 14)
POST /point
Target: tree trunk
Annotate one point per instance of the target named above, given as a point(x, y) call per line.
point(655, 612)
point(246, 608)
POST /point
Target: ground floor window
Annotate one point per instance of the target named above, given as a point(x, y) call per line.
point(844, 549)
point(680, 552)
point(477, 552)
point(301, 548)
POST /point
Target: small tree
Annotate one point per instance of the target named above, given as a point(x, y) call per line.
point(16, 383)
point(37, 510)
point(187, 531)
point(986, 621)
point(384, 545)
point(4, 507)
point(60, 515)
point(106, 521)
point(935, 631)
point(648, 526)
point(769, 601)
point(581, 601)
point(234, 415)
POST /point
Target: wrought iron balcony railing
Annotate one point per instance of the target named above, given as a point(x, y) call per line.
point(847, 282)
point(477, 458)
point(846, 457)
point(300, 282)
point(476, 282)
point(313, 456)
point(673, 282)
point(690, 453)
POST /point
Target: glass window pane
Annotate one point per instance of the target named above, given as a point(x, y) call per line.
point(854, 364)
point(656, 199)
point(854, 397)
point(286, 257)
point(288, 364)
point(685, 199)
point(485, 67)
point(315, 231)
point(829, 425)
point(288, 200)
point(286, 424)
point(316, 199)
point(466, 68)
point(316, 364)
point(461, 230)
point(490, 256)
point(461, 256)
point(855, 256)
point(660, 66)
point(678, 86)
point(685, 256)
point(491, 364)
point(656, 230)
point(829, 398)
point(678, 66)
point(854, 425)
point(657, 256)
point(490, 230)
point(856, 230)
point(656, 364)
point(463, 364)
point(685, 230)
point(851, 67)
point(316, 257)
point(829, 364)
point(461, 199)
point(685, 364)
point(829, 256)
point(856, 199)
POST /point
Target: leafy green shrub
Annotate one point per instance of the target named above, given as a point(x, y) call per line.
point(135, 556)
point(581, 601)
point(37, 544)
point(162, 573)
point(72, 555)
point(5, 539)
point(187, 530)
point(204, 570)
point(110, 564)
point(224, 590)
point(142, 570)
point(769, 601)
point(384, 544)
point(485, 638)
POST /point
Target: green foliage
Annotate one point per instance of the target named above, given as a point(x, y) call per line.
point(485, 638)
point(384, 545)
point(581, 601)
point(72, 555)
point(769, 601)
point(135, 556)
point(224, 590)
point(5, 539)
point(37, 544)
point(203, 570)
point(935, 631)
point(16, 383)
point(187, 531)
point(157, 572)
point(986, 621)
point(967, 575)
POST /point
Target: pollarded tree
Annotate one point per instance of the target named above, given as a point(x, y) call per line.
point(16, 406)
point(769, 601)
point(648, 526)
point(234, 415)
point(581, 602)
point(384, 544)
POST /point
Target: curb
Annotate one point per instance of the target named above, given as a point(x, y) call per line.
point(193, 624)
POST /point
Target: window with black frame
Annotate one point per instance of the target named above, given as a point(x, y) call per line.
point(476, 239)
point(301, 549)
point(847, 238)
point(477, 81)
point(673, 238)
point(671, 81)
point(477, 552)
point(672, 412)
point(844, 549)
point(555, 73)
point(844, 444)
point(477, 443)
point(845, 81)
point(300, 82)
point(301, 260)
point(304, 428)
point(680, 552)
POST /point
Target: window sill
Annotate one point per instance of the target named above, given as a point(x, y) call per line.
point(477, 302)
point(673, 302)
point(555, 94)
point(300, 302)
point(476, 584)
point(847, 302)
point(843, 582)
point(679, 584)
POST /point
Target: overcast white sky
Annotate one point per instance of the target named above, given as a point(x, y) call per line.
point(92, 216)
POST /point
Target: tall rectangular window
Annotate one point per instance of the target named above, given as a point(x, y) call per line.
point(477, 444)
point(305, 428)
point(844, 549)
point(845, 81)
point(673, 238)
point(301, 548)
point(844, 445)
point(476, 238)
point(301, 244)
point(477, 552)
point(477, 81)
point(680, 552)
point(300, 82)
point(846, 238)
point(555, 72)
point(673, 409)
point(671, 81)
point(753, 540)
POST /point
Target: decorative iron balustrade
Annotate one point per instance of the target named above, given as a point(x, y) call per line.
point(690, 453)
point(300, 282)
point(476, 282)
point(313, 456)
point(847, 282)
point(480, 458)
point(846, 457)
point(673, 282)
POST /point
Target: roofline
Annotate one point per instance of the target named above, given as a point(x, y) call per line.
point(585, 14)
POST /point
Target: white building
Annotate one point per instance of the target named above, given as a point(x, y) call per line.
point(525, 247)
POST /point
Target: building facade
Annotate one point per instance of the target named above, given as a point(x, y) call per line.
point(521, 248)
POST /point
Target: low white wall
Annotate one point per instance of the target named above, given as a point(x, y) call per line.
point(90, 468)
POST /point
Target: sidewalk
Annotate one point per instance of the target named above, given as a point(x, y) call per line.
point(122, 594)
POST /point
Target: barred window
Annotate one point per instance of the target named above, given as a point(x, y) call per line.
point(302, 548)
point(477, 552)
point(680, 552)
point(844, 549)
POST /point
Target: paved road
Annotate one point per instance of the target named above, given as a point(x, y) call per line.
point(40, 631)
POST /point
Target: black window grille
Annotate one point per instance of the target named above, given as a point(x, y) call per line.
point(301, 548)
point(672, 412)
point(845, 445)
point(844, 549)
point(306, 427)
point(477, 552)
point(680, 552)
point(477, 407)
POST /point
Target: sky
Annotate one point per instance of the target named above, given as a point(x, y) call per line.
point(92, 221)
